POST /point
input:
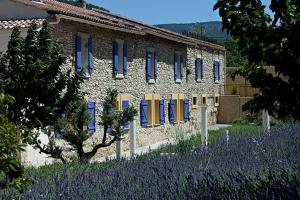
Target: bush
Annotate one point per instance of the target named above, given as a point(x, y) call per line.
point(251, 166)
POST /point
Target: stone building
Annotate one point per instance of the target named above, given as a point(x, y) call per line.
point(165, 75)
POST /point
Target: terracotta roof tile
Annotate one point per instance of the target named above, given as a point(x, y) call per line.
point(20, 23)
point(112, 20)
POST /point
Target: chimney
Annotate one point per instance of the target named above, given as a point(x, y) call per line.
point(81, 3)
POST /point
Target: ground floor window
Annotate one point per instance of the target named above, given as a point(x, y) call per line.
point(178, 108)
point(152, 110)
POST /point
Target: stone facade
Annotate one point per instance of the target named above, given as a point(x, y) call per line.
point(135, 84)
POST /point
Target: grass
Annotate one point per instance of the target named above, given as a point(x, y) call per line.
point(184, 144)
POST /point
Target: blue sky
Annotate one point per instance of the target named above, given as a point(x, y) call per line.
point(164, 11)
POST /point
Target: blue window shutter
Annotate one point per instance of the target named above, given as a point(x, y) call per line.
point(59, 133)
point(144, 113)
point(175, 67)
point(186, 110)
point(201, 68)
point(108, 111)
point(171, 111)
point(91, 67)
point(155, 66)
point(124, 58)
point(116, 63)
point(92, 111)
point(125, 104)
point(197, 68)
point(219, 71)
point(214, 71)
point(78, 54)
point(181, 68)
point(148, 65)
point(162, 111)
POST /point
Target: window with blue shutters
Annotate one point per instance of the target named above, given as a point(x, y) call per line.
point(84, 53)
point(217, 71)
point(120, 58)
point(155, 110)
point(151, 65)
point(177, 108)
point(199, 69)
point(186, 109)
point(92, 112)
point(122, 102)
point(179, 67)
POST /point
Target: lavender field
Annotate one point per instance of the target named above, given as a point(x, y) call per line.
point(250, 166)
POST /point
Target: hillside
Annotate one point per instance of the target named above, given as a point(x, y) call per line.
point(211, 30)
point(88, 5)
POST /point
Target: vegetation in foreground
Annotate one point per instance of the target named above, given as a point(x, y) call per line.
point(252, 165)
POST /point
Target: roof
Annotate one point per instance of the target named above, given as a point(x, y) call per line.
point(111, 20)
point(21, 23)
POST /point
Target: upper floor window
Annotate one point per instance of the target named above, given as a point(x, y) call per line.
point(84, 53)
point(217, 71)
point(199, 69)
point(178, 67)
point(151, 66)
point(119, 58)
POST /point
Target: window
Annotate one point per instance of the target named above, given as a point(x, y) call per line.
point(199, 69)
point(194, 101)
point(119, 58)
point(217, 99)
point(178, 109)
point(152, 110)
point(178, 67)
point(204, 99)
point(84, 53)
point(151, 66)
point(217, 71)
point(122, 102)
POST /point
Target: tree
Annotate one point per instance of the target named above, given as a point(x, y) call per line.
point(73, 130)
point(234, 58)
point(13, 139)
point(31, 72)
point(269, 41)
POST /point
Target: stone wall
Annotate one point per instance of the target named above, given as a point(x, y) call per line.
point(135, 82)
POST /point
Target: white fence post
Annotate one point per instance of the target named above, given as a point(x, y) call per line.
point(119, 149)
point(266, 120)
point(204, 121)
point(132, 138)
point(227, 136)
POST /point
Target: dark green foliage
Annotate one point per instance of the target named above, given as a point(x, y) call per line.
point(268, 41)
point(31, 72)
point(12, 139)
point(234, 58)
point(88, 5)
point(75, 133)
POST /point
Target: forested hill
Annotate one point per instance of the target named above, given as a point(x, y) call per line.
point(211, 30)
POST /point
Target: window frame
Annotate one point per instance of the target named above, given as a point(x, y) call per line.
point(194, 106)
point(204, 96)
point(217, 100)
point(152, 112)
point(179, 54)
point(84, 37)
point(178, 107)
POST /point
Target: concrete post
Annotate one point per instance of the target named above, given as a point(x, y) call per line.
point(266, 120)
point(227, 136)
point(119, 149)
point(204, 122)
point(132, 138)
